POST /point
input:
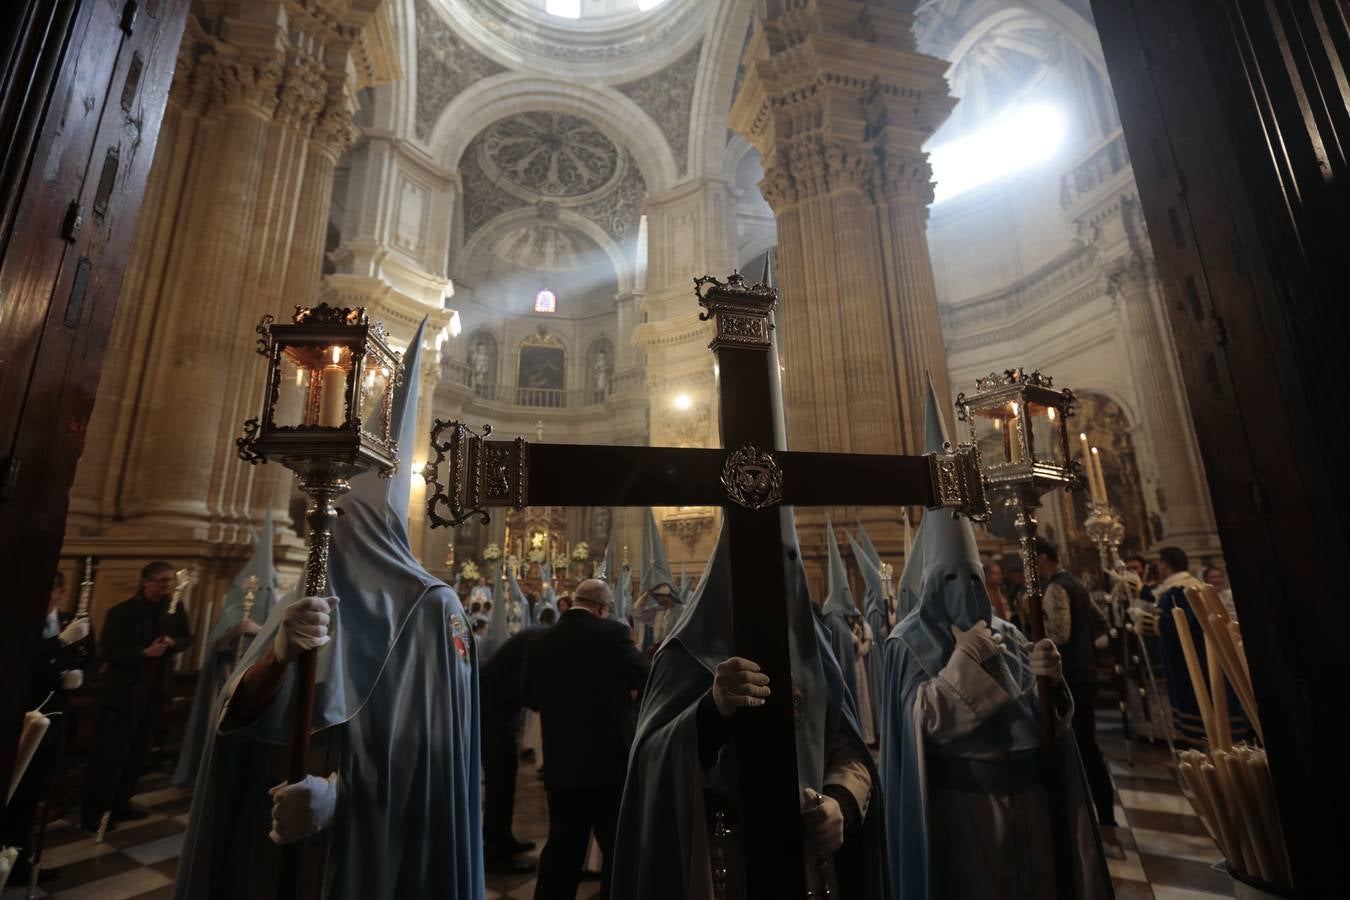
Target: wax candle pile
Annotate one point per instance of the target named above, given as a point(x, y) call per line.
point(1229, 785)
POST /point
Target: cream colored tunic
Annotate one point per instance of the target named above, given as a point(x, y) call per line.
point(991, 846)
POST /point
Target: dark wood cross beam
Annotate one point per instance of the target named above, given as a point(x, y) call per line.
point(749, 481)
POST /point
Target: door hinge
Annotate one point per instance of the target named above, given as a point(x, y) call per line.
point(70, 229)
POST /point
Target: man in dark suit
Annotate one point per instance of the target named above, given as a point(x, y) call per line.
point(499, 705)
point(583, 675)
point(140, 636)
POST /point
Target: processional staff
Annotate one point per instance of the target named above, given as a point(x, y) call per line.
point(1028, 422)
point(750, 481)
point(326, 416)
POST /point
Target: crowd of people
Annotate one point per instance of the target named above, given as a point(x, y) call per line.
point(916, 720)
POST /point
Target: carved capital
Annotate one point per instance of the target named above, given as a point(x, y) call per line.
point(336, 129)
point(241, 82)
point(302, 94)
point(850, 166)
point(778, 187)
point(907, 177)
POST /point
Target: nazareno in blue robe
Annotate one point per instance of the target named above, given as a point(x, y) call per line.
point(838, 613)
point(874, 609)
point(396, 712)
point(952, 591)
point(661, 820)
point(220, 654)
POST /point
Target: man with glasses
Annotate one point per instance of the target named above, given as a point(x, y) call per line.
point(137, 644)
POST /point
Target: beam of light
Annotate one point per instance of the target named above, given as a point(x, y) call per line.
point(683, 401)
point(1019, 139)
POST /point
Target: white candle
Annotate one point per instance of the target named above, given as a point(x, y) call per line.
point(1088, 468)
point(1097, 475)
point(332, 393)
point(1014, 436)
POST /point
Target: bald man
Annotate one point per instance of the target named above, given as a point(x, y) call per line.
point(584, 676)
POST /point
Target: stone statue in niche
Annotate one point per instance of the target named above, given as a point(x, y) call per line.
point(601, 376)
point(479, 363)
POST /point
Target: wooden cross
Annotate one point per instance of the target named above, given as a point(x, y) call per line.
point(749, 481)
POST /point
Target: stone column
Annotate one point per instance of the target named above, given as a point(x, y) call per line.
point(1176, 475)
point(261, 109)
point(838, 102)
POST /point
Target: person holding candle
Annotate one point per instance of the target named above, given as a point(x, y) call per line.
point(1173, 567)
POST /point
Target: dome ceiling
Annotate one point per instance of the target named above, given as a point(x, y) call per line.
point(539, 155)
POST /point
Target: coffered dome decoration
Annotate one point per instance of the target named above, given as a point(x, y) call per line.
point(552, 161)
point(549, 154)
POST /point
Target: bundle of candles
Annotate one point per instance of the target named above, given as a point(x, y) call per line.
point(1229, 786)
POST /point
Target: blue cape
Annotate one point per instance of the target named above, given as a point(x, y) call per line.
point(220, 653)
point(662, 799)
point(952, 591)
point(400, 676)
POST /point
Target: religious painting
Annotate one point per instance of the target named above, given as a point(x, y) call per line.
point(541, 368)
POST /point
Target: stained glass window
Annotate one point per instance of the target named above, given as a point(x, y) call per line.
point(545, 302)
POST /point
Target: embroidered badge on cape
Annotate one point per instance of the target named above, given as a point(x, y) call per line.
point(459, 632)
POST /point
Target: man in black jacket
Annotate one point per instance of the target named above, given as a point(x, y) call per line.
point(584, 676)
point(138, 640)
point(1070, 621)
point(499, 706)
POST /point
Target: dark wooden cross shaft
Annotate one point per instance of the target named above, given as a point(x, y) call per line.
point(750, 480)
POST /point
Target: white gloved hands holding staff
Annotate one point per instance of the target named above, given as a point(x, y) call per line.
point(823, 823)
point(304, 626)
point(304, 808)
point(1045, 660)
point(738, 682)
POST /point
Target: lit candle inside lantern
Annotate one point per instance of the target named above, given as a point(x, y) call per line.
point(1088, 467)
point(332, 393)
point(1098, 479)
point(1014, 437)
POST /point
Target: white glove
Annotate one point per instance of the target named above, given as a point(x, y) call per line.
point(304, 626)
point(822, 823)
point(75, 632)
point(1045, 660)
point(738, 682)
point(302, 809)
point(72, 679)
point(979, 643)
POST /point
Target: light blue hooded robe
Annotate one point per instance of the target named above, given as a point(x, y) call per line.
point(655, 574)
point(663, 796)
point(520, 603)
point(548, 597)
point(396, 712)
point(220, 653)
point(874, 606)
point(838, 613)
point(497, 630)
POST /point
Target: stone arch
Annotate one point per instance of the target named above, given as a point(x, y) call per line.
point(499, 96)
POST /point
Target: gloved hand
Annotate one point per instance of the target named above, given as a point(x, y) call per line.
point(304, 626)
point(738, 682)
point(1045, 660)
point(822, 823)
point(302, 809)
point(75, 632)
point(978, 642)
point(72, 679)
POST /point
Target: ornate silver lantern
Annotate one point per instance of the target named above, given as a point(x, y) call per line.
point(326, 415)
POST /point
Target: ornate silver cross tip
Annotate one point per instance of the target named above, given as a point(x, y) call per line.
point(959, 482)
point(482, 473)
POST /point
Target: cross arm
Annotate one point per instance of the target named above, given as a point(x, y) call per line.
point(486, 473)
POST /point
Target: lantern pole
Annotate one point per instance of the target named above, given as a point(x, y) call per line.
point(1024, 474)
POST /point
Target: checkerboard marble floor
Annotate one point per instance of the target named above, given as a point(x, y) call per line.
point(1169, 855)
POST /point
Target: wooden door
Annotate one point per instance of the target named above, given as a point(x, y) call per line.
point(85, 84)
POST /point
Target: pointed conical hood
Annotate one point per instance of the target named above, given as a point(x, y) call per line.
point(875, 598)
point(497, 632)
point(840, 597)
point(935, 435)
point(655, 569)
point(623, 595)
point(518, 600)
point(548, 595)
point(606, 571)
point(865, 542)
point(952, 591)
